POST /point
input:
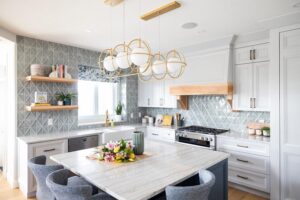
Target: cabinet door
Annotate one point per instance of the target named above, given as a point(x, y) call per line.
point(243, 87)
point(144, 93)
point(242, 55)
point(170, 100)
point(261, 86)
point(261, 53)
point(289, 114)
point(157, 98)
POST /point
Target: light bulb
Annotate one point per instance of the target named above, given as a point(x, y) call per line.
point(143, 68)
point(174, 65)
point(122, 60)
point(109, 62)
point(139, 56)
point(159, 67)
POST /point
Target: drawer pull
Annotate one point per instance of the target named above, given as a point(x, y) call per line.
point(47, 150)
point(244, 161)
point(243, 177)
point(243, 146)
point(155, 134)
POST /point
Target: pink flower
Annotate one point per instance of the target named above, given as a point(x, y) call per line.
point(109, 158)
point(110, 145)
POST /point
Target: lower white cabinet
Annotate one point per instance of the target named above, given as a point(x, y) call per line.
point(249, 162)
point(27, 183)
point(159, 133)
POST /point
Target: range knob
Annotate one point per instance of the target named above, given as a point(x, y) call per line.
point(205, 138)
point(211, 139)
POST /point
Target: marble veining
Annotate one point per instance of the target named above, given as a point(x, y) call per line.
point(164, 163)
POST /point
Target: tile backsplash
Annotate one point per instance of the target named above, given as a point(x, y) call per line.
point(215, 112)
point(31, 51)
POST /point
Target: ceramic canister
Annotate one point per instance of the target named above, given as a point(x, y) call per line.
point(138, 142)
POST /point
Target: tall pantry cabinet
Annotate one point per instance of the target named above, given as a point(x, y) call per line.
point(285, 110)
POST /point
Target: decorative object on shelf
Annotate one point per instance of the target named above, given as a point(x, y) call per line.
point(54, 73)
point(68, 98)
point(37, 70)
point(114, 62)
point(118, 116)
point(66, 74)
point(40, 97)
point(121, 151)
point(138, 142)
point(60, 99)
point(258, 132)
point(266, 131)
point(159, 119)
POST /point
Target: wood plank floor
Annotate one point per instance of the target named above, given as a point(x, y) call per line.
point(6, 193)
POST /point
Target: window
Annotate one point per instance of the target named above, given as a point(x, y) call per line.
point(94, 98)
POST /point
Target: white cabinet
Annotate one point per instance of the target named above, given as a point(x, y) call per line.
point(27, 183)
point(249, 54)
point(289, 114)
point(159, 133)
point(156, 94)
point(251, 78)
point(248, 164)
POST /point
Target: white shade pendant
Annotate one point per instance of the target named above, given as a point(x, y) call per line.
point(141, 52)
point(175, 64)
point(159, 66)
point(109, 63)
point(122, 60)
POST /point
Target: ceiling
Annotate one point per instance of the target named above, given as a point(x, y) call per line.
point(87, 24)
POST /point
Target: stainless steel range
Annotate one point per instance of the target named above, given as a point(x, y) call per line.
point(199, 135)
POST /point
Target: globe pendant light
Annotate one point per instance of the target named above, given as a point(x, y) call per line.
point(159, 66)
point(141, 52)
point(175, 64)
point(122, 58)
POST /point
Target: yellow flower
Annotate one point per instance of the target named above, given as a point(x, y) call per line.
point(119, 156)
point(131, 160)
point(116, 149)
point(131, 156)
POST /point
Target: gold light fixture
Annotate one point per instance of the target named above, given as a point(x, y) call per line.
point(135, 57)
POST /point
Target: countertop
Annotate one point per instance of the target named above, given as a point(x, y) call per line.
point(163, 164)
point(244, 136)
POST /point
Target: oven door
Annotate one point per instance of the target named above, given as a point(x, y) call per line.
point(200, 143)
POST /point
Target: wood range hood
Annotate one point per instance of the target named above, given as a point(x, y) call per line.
point(184, 91)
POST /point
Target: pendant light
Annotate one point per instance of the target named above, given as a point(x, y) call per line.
point(123, 51)
point(175, 64)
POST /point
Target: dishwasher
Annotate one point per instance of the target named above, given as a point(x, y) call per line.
point(79, 143)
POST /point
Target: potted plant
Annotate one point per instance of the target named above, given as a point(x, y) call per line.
point(68, 98)
point(60, 97)
point(266, 131)
point(118, 110)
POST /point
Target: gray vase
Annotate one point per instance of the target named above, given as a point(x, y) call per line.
point(138, 142)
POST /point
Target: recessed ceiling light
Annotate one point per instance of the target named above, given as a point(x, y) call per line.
point(296, 5)
point(189, 25)
point(87, 30)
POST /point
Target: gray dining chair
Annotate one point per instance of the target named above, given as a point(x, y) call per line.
point(196, 192)
point(40, 171)
point(58, 183)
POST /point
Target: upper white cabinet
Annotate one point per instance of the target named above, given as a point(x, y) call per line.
point(251, 78)
point(156, 94)
point(249, 54)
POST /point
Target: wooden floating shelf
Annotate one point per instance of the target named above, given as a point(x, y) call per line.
point(113, 2)
point(161, 10)
point(52, 80)
point(50, 108)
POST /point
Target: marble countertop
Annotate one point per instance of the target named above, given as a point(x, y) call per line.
point(163, 164)
point(245, 136)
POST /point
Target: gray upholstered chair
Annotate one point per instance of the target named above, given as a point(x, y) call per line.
point(40, 171)
point(57, 182)
point(197, 192)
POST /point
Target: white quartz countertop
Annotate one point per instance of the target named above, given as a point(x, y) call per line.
point(74, 134)
point(163, 164)
point(245, 136)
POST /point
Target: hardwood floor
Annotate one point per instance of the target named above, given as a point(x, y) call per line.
point(6, 193)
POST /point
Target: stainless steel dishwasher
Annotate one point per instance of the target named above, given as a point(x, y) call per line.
point(79, 143)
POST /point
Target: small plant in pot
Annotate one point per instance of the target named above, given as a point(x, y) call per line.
point(60, 97)
point(266, 131)
point(118, 110)
point(68, 99)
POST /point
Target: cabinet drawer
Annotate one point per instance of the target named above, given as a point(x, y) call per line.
point(49, 148)
point(259, 164)
point(252, 147)
point(252, 180)
point(161, 133)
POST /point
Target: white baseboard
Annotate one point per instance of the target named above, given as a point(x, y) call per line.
point(249, 190)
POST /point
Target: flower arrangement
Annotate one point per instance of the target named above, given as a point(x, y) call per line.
point(121, 151)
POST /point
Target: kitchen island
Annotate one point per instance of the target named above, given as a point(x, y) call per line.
point(163, 164)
